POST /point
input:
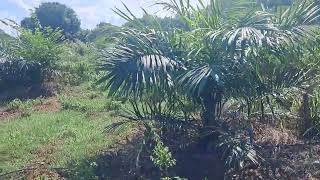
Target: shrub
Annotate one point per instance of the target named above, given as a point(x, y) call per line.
point(162, 157)
point(76, 65)
point(15, 104)
point(24, 105)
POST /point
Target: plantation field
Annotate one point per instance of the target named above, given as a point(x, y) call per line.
point(58, 133)
point(205, 90)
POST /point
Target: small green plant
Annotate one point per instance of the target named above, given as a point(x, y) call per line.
point(112, 105)
point(26, 113)
point(15, 104)
point(90, 103)
point(24, 105)
point(83, 169)
point(162, 157)
point(237, 151)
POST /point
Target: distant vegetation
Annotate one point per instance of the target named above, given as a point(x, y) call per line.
point(54, 15)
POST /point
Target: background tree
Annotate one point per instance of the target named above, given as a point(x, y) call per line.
point(152, 21)
point(30, 22)
point(102, 35)
point(54, 15)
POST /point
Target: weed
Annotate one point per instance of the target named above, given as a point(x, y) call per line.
point(162, 157)
point(112, 105)
point(24, 105)
point(15, 104)
point(85, 104)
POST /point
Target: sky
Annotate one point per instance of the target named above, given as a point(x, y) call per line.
point(90, 12)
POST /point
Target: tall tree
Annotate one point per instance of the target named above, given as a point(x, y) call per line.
point(54, 15)
point(30, 22)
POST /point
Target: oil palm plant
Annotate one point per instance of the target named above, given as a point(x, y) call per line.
point(217, 58)
point(252, 54)
point(141, 68)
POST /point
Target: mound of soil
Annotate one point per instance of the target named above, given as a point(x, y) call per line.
point(193, 161)
point(283, 157)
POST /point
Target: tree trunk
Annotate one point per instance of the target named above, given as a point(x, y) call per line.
point(209, 109)
point(305, 113)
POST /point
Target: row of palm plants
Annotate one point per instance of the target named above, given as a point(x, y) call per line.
point(248, 55)
point(255, 53)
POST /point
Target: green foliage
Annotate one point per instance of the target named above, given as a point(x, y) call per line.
point(24, 105)
point(15, 104)
point(31, 58)
point(254, 54)
point(56, 16)
point(228, 51)
point(142, 71)
point(83, 170)
point(103, 35)
point(154, 22)
point(25, 108)
point(77, 63)
point(30, 23)
point(40, 47)
point(237, 152)
point(84, 104)
point(162, 157)
point(72, 137)
point(4, 37)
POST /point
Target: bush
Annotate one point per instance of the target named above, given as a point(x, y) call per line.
point(24, 105)
point(162, 157)
point(77, 63)
point(15, 104)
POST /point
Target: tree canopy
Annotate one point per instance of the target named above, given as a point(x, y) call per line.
point(102, 35)
point(54, 15)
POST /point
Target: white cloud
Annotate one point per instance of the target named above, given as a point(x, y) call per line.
point(25, 4)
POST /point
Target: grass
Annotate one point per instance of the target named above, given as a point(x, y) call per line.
point(71, 136)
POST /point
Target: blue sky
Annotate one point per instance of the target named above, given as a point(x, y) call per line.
point(91, 12)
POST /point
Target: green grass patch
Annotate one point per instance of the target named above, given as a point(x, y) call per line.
point(72, 135)
point(86, 104)
point(71, 138)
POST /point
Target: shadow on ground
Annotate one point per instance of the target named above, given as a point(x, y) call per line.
point(120, 161)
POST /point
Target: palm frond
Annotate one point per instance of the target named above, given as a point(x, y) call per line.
point(137, 65)
point(250, 31)
point(198, 80)
point(133, 77)
point(298, 23)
